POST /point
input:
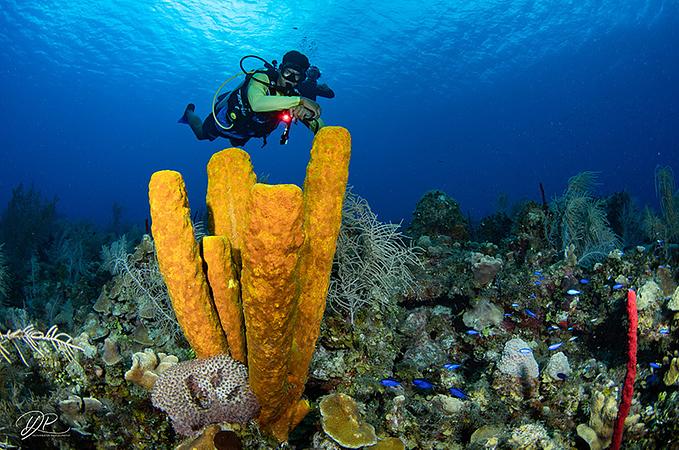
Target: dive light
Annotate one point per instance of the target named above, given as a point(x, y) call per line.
point(287, 118)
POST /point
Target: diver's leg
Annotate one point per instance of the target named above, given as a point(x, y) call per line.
point(190, 117)
point(196, 124)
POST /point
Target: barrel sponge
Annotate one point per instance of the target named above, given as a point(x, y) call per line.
point(272, 238)
point(229, 179)
point(223, 279)
point(181, 265)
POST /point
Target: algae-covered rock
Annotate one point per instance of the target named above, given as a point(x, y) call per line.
point(341, 420)
point(673, 303)
point(648, 295)
point(448, 405)
point(483, 314)
point(437, 214)
point(111, 354)
point(484, 268)
point(487, 434)
point(531, 436)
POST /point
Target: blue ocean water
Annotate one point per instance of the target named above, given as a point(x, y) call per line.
point(478, 99)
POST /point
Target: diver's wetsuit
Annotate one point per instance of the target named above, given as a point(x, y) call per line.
point(261, 105)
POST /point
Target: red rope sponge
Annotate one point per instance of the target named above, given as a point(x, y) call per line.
point(628, 387)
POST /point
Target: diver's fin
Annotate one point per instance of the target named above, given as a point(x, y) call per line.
point(190, 107)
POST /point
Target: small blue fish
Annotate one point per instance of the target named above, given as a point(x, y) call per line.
point(455, 392)
point(573, 292)
point(508, 315)
point(562, 376)
point(390, 382)
point(533, 296)
point(655, 365)
point(537, 282)
point(530, 313)
point(515, 305)
point(584, 281)
point(421, 383)
point(618, 286)
point(570, 328)
point(553, 327)
point(555, 346)
point(664, 330)
point(472, 332)
point(572, 339)
point(525, 351)
point(537, 273)
point(652, 379)
point(451, 366)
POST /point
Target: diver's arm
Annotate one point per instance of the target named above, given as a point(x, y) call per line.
point(314, 124)
point(260, 101)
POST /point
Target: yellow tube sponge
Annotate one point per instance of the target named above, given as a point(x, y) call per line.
point(181, 265)
point(273, 236)
point(223, 280)
point(324, 188)
point(230, 178)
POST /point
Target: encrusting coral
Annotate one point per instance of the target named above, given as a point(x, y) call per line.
point(273, 245)
point(342, 421)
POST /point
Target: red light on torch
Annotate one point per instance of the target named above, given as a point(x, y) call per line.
point(287, 118)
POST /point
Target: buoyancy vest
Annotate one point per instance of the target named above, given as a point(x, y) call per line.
point(238, 116)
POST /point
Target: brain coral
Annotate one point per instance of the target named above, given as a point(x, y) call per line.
point(205, 391)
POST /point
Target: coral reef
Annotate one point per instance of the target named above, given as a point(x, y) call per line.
point(503, 344)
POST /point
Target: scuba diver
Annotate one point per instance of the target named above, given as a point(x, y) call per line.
point(254, 109)
point(310, 88)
